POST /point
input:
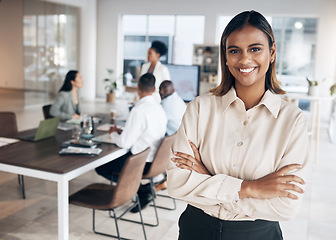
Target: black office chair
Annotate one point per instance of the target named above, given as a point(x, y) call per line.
point(108, 197)
point(10, 130)
point(46, 111)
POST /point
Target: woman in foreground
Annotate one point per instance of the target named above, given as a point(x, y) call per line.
point(240, 152)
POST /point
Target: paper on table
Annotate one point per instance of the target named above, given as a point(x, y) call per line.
point(74, 121)
point(105, 138)
point(6, 141)
point(104, 127)
point(65, 126)
point(80, 151)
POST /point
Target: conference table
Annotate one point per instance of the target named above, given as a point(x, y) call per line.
point(42, 160)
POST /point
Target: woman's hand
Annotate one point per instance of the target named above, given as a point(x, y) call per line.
point(185, 161)
point(273, 185)
point(75, 116)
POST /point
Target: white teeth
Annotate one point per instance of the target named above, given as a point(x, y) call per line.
point(246, 70)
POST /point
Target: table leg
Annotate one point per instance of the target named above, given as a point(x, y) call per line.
point(312, 127)
point(63, 209)
point(317, 131)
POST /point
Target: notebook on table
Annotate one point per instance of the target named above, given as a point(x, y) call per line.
point(47, 128)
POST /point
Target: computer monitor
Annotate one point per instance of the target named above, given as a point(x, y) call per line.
point(185, 79)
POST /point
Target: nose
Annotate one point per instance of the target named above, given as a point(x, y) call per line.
point(245, 58)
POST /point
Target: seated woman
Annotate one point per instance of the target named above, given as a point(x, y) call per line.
point(67, 102)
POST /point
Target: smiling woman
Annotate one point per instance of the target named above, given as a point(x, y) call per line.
point(240, 153)
point(248, 60)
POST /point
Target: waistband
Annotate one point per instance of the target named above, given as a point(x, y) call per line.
point(230, 225)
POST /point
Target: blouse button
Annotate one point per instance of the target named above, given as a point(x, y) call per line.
point(235, 166)
point(245, 122)
point(240, 144)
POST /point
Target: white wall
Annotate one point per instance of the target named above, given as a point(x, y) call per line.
point(11, 44)
point(109, 39)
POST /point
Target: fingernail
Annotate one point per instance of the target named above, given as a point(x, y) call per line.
point(189, 141)
point(177, 164)
point(175, 153)
point(173, 159)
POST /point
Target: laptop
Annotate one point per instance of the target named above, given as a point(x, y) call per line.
point(47, 128)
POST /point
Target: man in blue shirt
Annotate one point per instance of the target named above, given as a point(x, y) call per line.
point(173, 105)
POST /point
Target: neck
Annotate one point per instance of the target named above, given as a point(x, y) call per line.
point(250, 97)
point(142, 94)
point(153, 63)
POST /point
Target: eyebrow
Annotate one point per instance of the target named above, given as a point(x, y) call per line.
point(252, 45)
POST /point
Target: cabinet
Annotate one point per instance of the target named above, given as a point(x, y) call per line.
point(206, 56)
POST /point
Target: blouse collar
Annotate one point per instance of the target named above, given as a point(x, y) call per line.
point(270, 100)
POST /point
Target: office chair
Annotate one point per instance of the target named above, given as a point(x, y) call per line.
point(108, 197)
point(157, 167)
point(8, 119)
point(46, 111)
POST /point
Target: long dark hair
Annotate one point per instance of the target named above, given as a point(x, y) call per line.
point(256, 20)
point(71, 76)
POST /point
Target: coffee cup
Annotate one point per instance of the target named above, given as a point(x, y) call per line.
point(113, 113)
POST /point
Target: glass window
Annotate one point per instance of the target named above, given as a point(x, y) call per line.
point(189, 31)
point(179, 33)
point(51, 48)
point(296, 42)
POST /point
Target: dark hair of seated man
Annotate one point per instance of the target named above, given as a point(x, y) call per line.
point(166, 89)
point(147, 83)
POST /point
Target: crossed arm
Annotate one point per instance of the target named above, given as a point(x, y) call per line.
point(276, 184)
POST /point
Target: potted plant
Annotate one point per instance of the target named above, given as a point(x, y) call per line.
point(333, 89)
point(110, 86)
point(313, 87)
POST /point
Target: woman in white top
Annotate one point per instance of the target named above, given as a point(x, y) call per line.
point(155, 67)
point(240, 153)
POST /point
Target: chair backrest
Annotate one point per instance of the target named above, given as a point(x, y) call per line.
point(8, 124)
point(46, 111)
point(129, 178)
point(161, 158)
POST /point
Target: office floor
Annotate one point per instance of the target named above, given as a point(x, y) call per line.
point(36, 217)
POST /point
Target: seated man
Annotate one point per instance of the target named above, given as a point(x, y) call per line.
point(173, 105)
point(145, 127)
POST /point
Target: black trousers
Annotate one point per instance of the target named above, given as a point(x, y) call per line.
point(196, 225)
point(116, 166)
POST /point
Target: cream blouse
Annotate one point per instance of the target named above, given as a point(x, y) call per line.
point(237, 145)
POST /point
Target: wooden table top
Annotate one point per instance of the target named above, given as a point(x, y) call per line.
point(43, 155)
